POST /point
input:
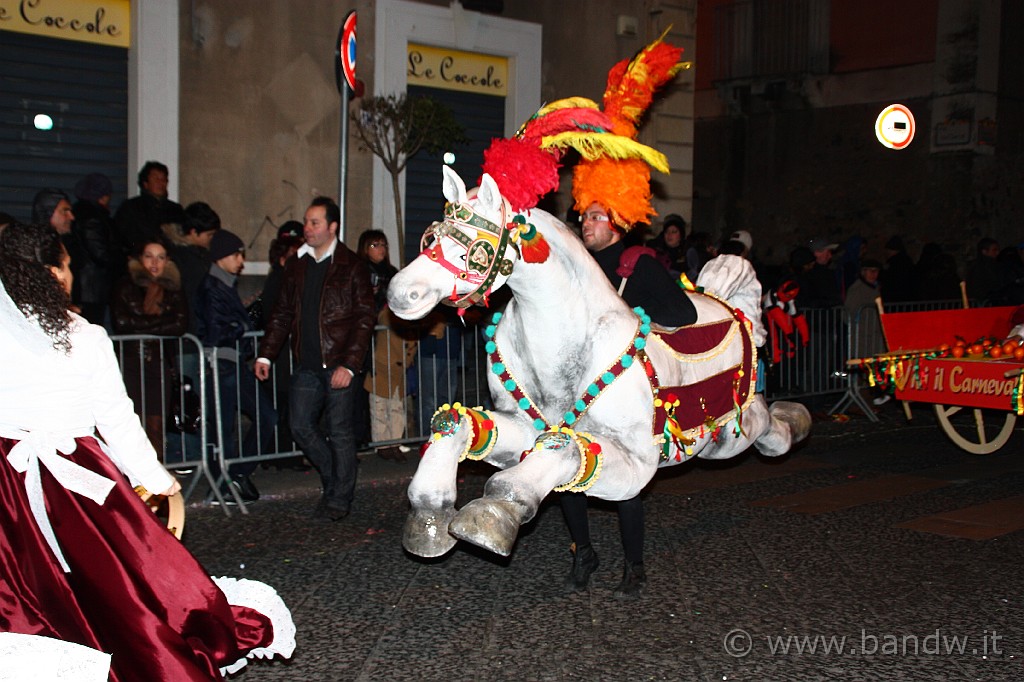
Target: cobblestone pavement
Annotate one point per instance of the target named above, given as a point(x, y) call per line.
point(744, 558)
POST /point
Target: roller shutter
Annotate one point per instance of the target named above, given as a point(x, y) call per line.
point(84, 88)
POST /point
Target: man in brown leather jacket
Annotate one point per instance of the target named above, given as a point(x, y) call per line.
point(326, 305)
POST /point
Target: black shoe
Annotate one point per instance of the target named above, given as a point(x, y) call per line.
point(229, 499)
point(246, 490)
point(326, 512)
point(584, 563)
point(633, 580)
point(334, 513)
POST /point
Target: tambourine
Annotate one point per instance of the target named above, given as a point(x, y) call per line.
point(171, 509)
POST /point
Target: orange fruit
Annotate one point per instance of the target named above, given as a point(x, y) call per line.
point(1009, 347)
point(958, 351)
point(976, 349)
point(996, 351)
point(1018, 353)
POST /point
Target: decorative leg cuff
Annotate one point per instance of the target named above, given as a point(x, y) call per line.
point(589, 453)
point(483, 433)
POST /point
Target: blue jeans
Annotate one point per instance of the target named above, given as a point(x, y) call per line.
point(241, 393)
point(333, 453)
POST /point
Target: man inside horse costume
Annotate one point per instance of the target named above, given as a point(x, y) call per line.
point(588, 396)
point(612, 196)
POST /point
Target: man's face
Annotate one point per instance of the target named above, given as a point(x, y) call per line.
point(598, 232)
point(156, 183)
point(870, 275)
point(233, 264)
point(203, 239)
point(62, 217)
point(823, 257)
point(316, 230)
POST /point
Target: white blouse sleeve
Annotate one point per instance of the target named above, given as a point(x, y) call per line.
point(113, 412)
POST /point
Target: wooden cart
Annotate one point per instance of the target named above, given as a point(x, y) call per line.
point(975, 398)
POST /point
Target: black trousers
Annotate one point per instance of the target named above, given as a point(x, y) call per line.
point(631, 523)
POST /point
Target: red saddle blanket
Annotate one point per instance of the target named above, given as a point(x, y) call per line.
point(705, 402)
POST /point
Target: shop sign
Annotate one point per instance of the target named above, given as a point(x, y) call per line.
point(105, 22)
point(448, 69)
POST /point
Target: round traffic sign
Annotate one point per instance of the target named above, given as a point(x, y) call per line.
point(895, 126)
point(347, 49)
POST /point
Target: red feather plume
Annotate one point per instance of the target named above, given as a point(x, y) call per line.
point(522, 170)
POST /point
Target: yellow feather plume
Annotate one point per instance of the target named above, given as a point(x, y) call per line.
point(593, 146)
point(568, 102)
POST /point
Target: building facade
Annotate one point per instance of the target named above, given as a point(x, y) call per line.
point(788, 92)
point(241, 99)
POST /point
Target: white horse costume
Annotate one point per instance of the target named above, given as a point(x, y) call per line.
point(575, 376)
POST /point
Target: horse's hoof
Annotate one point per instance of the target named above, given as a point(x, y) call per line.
point(794, 414)
point(426, 534)
point(488, 523)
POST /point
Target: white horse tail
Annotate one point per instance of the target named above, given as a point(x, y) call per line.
point(732, 279)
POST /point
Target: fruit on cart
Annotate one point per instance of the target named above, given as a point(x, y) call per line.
point(957, 351)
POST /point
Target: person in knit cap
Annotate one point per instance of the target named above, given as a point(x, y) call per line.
point(100, 262)
point(612, 195)
point(223, 321)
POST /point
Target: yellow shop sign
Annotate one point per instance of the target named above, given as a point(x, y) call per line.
point(440, 67)
point(106, 22)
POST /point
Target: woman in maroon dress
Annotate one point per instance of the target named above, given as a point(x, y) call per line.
point(82, 559)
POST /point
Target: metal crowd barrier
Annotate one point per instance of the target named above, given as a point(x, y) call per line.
point(178, 383)
point(819, 369)
point(166, 379)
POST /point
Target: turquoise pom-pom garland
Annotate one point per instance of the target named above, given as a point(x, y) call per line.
point(593, 390)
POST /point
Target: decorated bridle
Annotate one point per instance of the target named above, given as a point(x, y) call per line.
point(490, 249)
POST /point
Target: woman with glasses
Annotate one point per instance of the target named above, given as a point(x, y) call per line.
point(385, 378)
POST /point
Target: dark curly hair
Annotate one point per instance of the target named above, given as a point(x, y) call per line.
point(26, 251)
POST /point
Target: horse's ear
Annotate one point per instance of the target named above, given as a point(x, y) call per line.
point(488, 194)
point(453, 187)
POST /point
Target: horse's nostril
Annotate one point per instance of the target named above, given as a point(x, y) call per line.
point(414, 295)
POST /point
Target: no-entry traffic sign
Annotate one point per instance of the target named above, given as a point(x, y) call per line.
point(895, 126)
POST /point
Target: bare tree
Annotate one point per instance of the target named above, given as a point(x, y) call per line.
point(395, 127)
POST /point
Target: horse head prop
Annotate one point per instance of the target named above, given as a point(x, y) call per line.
point(474, 243)
point(588, 396)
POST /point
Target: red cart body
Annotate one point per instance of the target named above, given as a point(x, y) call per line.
point(967, 381)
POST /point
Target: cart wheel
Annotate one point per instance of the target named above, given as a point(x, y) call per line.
point(979, 432)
